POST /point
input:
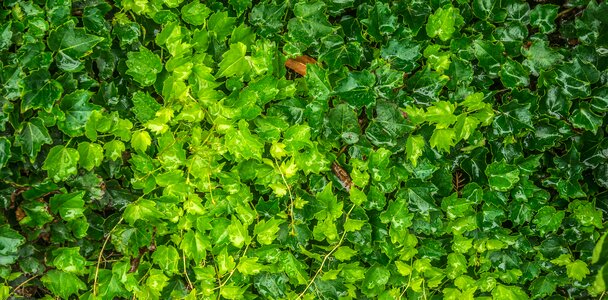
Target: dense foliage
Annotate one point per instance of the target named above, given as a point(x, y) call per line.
point(437, 150)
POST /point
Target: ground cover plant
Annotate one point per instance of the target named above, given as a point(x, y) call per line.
point(337, 149)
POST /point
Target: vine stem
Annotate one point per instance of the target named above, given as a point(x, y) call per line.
point(326, 257)
point(292, 224)
point(20, 285)
point(232, 271)
point(105, 242)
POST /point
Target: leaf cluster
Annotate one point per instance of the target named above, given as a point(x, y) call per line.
point(159, 149)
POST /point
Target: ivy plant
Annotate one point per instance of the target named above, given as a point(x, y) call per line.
point(318, 149)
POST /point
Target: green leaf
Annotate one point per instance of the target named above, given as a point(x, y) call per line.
point(167, 258)
point(71, 42)
point(61, 163)
point(221, 25)
point(69, 260)
point(344, 253)
point(444, 22)
point(249, 266)
point(414, 148)
point(328, 206)
point(575, 78)
point(343, 123)
point(195, 245)
point(195, 13)
point(114, 149)
point(238, 233)
point(140, 141)
point(387, 127)
point(489, 55)
point(69, 206)
point(77, 110)
point(5, 151)
point(513, 74)
point(441, 113)
point(357, 89)
point(504, 292)
point(585, 118)
point(502, 176)
point(37, 214)
point(380, 21)
point(577, 270)
point(143, 66)
point(62, 284)
point(144, 106)
point(266, 231)
point(141, 209)
point(317, 82)
point(543, 286)
point(543, 16)
point(540, 57)
point(40, 91)
point(548, 219)
point(32, 136)
point(10, 241)
point(234, 62)
point(443, 139)
point(375, 280)
point(242, 144)
point(309, 23)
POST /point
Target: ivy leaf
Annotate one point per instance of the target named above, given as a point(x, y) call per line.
point(387, 127)
point(577, 270)
point(234, 62)
point(513, 74)
point(71, 43)
point(548, 219)
point(540, 56)
point(69, 206)
point(142, 209)
point(10, 241)
point(380, 21)
point(502, 176)
point(266, 231)
point(40, 91)
point(489, 55)
point(238, 233)
point(444, 22)
point(144, 106)
point(375, 280)
point(77, 111)
point(443, 139)
point(32, 136)
point(195, 13)
point(242, 144)
point(309, 23)
point(575, 78)
point(5, 151)
point(585, 118)
point(62, 284)
point(69, 260)
point(249, 266)
point(414, 147)
point(61, 163)
point(543, 286)
point(543, 16)
point(167, 258)
point(143, 66)
point(317, 82)
point(357, 88)
point(195, 245)
point(328, 206)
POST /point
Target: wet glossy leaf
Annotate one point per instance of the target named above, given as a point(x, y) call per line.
point(143, 66)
